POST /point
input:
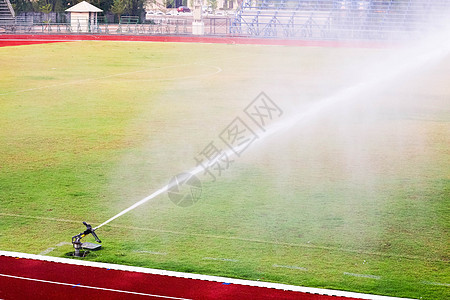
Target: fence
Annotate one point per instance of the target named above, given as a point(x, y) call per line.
point(167, 26)
point(286, 19)
point(156, 26)
point(337, 19)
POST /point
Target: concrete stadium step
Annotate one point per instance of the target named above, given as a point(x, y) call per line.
point(319, 18)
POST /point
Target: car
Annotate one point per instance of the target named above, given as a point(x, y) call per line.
point(149, 15)
point(207, 9)
point(183, 9)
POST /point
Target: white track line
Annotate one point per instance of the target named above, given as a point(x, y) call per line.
point(50, 249)
point(363, 275)
point(209, 74)
point(199, 277)
point(218, 70)
point(221, 259)
point(290, 267)
point(237, 238)
point(91, 287)
point(39, 218)
point(436, 283)
point(92, 79)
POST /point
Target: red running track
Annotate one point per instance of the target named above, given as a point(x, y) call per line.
point(22, 278)
point(6, 43)
point(27, 39)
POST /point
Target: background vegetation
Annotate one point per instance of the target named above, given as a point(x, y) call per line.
point(127, 7)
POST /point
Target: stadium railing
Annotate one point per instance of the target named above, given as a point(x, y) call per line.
point(286, 19)
point(7, 15)
point(336, 19)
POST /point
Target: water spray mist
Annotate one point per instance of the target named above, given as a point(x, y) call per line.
point(432, 51)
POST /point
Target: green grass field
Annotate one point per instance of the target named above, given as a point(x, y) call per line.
point(355, 198)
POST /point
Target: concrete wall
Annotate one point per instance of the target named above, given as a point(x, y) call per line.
point(82, 21)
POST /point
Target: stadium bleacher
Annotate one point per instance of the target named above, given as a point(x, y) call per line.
point(283, 19)
point(336, 19)
point(7, 15)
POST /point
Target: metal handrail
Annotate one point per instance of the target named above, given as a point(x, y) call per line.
point(10, 8)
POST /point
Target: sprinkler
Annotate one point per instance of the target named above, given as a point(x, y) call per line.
point(76, 240)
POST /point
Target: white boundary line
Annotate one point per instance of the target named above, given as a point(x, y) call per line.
point(90, 287)
point(93, 79)
point(235, 238)
point(198, 276)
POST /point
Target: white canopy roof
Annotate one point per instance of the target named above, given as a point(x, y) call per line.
point(84, 7)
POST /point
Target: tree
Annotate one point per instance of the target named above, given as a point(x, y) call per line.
point(22, 5)
point(213, 4)
point(104, 5)
point(135, 7)
point(129, 7)
point(41, 5)
point(118, 7)
point(46, 9)
point(169, 3)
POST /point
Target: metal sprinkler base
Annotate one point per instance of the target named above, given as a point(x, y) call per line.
point(91, 246)
point(78, 245)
